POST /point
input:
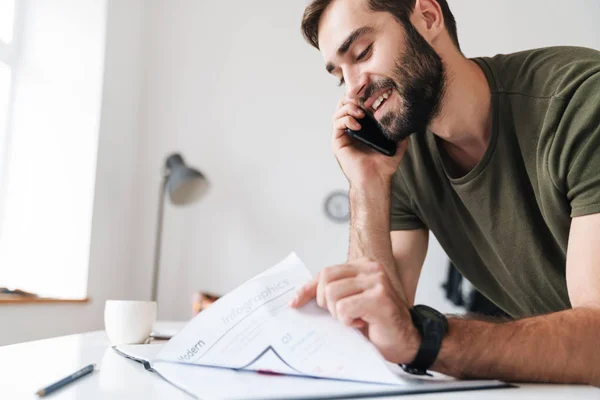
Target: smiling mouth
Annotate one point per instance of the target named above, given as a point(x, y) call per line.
point(381, 99)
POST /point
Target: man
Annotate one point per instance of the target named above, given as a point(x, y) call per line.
point(502, 165)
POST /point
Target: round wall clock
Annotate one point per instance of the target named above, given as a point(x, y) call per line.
point(337, 206)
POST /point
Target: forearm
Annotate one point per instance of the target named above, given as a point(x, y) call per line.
point(370, 221)
point(559, 348)
point(370, 225)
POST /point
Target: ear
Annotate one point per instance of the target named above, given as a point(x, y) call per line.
point(428, 18)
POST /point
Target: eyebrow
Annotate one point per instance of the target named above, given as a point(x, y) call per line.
point(353, 37)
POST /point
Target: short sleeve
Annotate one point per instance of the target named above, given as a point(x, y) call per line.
point(576, 149)
point(402, 216)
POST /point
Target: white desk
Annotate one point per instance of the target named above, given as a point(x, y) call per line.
point(27, 367)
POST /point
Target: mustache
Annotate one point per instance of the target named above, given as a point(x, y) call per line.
point(375, 87)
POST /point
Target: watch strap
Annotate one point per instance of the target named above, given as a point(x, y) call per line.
point(432, 333)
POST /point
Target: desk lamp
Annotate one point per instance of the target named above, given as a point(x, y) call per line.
point(184, 186)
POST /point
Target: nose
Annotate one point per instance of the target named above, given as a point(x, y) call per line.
point(356, 82)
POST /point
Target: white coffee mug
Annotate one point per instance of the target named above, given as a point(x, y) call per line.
point(129, 321)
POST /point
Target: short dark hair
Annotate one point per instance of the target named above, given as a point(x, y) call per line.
point(400, 9)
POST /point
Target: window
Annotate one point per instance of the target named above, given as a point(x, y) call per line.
point(7, 20)
point(7, 63)
point(51, 75)
point(5, 80)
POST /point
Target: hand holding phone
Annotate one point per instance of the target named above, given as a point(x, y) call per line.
point(371, 135)
point(352, 126)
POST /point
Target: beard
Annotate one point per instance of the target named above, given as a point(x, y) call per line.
point(419, 79)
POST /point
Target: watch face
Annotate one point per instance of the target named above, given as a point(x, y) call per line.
point(428, 312)
point(431, 314)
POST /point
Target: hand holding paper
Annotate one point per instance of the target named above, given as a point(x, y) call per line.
point(253, 328)
point(359, 294)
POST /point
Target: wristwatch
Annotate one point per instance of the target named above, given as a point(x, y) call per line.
point(433, 326)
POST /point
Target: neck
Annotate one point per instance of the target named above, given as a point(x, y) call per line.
point(464, 121)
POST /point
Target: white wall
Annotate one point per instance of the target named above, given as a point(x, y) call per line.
point(489, 27)
point(110, 257)
point(248, 102)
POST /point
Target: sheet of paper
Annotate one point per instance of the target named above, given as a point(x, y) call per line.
point(253, 328)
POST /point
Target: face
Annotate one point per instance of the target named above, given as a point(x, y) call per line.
point(390, 70)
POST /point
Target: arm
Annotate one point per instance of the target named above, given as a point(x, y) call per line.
point(402, 253)
point(560, 347)
point(370, 176)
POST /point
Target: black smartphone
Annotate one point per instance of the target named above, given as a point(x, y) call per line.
point(371, 135)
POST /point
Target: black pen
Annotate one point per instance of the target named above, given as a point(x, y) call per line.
point(65, 381)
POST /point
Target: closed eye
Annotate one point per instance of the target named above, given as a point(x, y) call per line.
point(360, 57)
point(364, 53)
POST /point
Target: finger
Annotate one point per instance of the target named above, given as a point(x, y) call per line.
point(311, 289)
point(349, 109)
point(360, 324)
point(305, 293)
point(356, 113)
point(331, 274)
point(350, 309)
point(379, 280)
point(340, 140)
point(369, 278)
point(346, 100)
point(363, 328)
point(368, 305)
point(340, 289)
point(346, 122)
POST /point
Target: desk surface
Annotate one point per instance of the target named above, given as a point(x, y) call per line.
point(27, 367)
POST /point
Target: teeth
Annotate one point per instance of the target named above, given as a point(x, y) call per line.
point(377, 103)
point(380, 99)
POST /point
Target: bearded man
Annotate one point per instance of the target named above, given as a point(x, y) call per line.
point(499, 157)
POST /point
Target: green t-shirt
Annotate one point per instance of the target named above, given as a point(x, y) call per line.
point(505, 224)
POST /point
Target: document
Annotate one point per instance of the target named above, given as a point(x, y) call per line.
point(251, 344)
point(254, 328)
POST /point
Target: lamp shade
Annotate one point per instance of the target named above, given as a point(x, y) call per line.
point(184, 185)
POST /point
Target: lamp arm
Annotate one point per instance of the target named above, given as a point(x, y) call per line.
point(158, 240)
